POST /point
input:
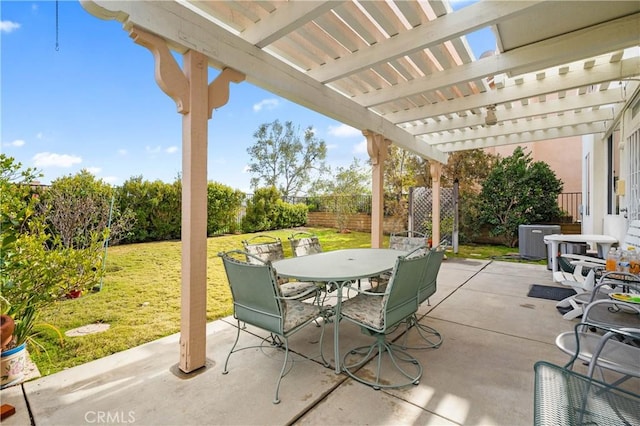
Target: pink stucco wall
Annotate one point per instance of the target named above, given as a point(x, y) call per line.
point(564, 157)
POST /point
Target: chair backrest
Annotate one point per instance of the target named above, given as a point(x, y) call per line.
point(401, 298)
point(407, 240)
point(254, 291)
point(428, 284)
point(304, 243)
point(263, 247)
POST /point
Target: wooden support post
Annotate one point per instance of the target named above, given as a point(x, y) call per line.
point(194, 216)
point(195, 100)
point(436, 172)
point(377, 148)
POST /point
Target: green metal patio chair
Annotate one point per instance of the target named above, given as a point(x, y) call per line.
point(427, 288)
point(263, 248)
point(378, 312)
point(304, 243)
point(405, 241)
point(258, 301)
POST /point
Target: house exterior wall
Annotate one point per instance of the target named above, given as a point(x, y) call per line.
point(562, 155)
point(599, 221)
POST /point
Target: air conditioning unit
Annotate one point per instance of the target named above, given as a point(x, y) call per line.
point(531, 240)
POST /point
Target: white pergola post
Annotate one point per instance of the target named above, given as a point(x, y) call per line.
point(377, 149)
point(194, 216)
point(195, 99)
point(436, 172)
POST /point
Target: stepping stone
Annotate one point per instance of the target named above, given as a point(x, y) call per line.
point(87, 329)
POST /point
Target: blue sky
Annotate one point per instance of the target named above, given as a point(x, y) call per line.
point(94, 104)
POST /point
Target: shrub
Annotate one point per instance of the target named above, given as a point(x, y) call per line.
point(518, 191)
point(266, 210)
point(156, 207)
point(80, 205)
point(261, 212)
point(223, 206)
point(290, 215)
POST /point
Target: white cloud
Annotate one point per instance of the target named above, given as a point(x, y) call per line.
point(122, 152)
point(171, 150)
point(110, 179)
point(344, 131)
point(17, 143)
point(39, 135)
point(246, 169)
point(360, 148)
point(268, 104)
point(153, 150)
point(331, 146)
point(50, 159)
point(8, 26)
point(94, 170)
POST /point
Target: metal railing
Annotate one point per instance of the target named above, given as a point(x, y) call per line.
point(571, 204)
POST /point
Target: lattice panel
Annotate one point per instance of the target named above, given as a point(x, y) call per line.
point(421, 204)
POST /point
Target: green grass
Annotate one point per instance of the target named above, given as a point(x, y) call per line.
point(140, 296)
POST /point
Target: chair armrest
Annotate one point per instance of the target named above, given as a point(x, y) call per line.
point(587, 264)
point(627, 306)
point(582, 258)
point(618, 334)
point(350, 286)
point(616, 276)
point(299, 296)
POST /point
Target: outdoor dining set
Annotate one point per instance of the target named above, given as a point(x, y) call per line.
point(378, 290)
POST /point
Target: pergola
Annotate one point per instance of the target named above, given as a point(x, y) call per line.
point(401, 71)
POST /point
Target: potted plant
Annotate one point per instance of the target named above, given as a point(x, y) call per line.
point(36, 269)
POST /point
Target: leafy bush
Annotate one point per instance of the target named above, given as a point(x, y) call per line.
point(266, 210)
point(518, 191)
point(36, 267)
point(290, 215)
point(78, 206)
point(156, 207)
point(260, 211)
point(223, 206)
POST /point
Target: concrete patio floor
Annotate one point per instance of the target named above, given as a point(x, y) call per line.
point(481, 375)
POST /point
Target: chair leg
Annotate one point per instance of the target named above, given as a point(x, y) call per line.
point(276, 400)
point(225, 370)
point(428, 334)
point(377, 350)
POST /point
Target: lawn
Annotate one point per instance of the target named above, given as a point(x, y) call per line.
point(140, 296)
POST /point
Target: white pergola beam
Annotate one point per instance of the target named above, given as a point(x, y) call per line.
point(284, 20)
point(555, 106)
point(186, 30)
point(434, 33)
point(626, 68)
point(611, 36)
point(512, 139)
point(508, 128)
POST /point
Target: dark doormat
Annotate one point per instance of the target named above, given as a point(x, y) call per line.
point(549, 292)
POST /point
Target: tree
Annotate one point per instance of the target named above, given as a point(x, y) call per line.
point(346, 185)
point(402, 170)
point(280, 158)
point(518, 191)
point(470, 168)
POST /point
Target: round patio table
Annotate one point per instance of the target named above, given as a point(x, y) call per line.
point(338, 267)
